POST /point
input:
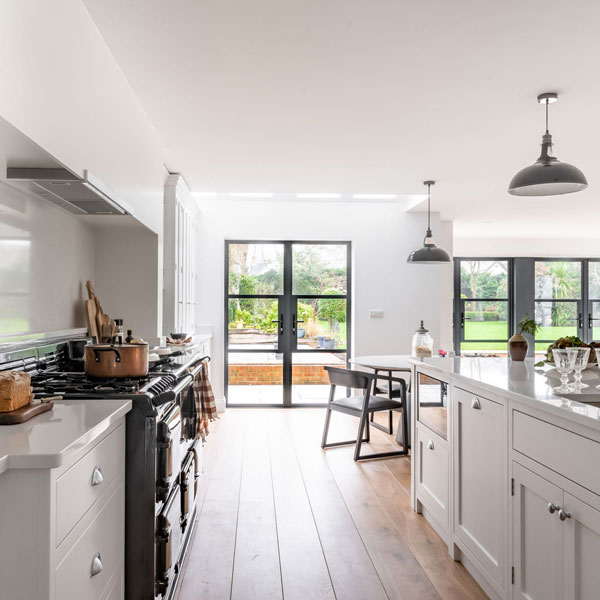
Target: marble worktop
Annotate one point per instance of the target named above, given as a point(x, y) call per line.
point(48, 440)
point(524, 382)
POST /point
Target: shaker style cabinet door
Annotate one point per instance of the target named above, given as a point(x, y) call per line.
point(582, 548)
point(481, 480)
point(538, 538)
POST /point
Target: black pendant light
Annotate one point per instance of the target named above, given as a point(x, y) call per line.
point(547, 176)
point(429, 253)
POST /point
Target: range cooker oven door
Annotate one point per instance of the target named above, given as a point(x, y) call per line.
point(170, 453)
point(189, 487)
point(168, 542)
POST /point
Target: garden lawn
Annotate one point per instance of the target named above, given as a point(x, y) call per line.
point(498, 330)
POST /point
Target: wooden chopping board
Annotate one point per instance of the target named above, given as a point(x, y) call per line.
point(27, 412)
point(90, 313)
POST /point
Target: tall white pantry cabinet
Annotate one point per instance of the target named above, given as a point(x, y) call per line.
point(523, 492)
point(180, 251)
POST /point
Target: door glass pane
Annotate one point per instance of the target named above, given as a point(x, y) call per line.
point(310, 382)
point(556, 319)
point(595, 333)
point(319, 269)
point(251, 323)
point(255, 378)
point(594, 279)
point(486, 320)
point(484, 278)
point(557, 280)
point(321, 323)
point(256, 269)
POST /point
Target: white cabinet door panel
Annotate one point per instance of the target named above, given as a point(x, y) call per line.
point(432, 476)
point(538, 538)
point(582, 550)
point(481, 480)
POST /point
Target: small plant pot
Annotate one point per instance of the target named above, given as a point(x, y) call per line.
point(301, 332)
point(517, 347)
point(329, 343)
point(321, 340)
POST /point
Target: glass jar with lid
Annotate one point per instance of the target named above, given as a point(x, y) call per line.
point(422, 344)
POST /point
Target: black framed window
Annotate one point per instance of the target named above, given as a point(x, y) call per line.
point(558, 300)
point(483, 304)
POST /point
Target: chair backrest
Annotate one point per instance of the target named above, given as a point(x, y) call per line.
point(358, 380)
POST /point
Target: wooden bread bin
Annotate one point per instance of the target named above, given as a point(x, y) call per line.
point(15, 390)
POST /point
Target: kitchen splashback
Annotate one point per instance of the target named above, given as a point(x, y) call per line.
point(46, 256)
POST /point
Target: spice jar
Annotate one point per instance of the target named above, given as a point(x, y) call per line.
point(422, 344)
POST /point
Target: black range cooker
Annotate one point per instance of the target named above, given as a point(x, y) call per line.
point(162, 456)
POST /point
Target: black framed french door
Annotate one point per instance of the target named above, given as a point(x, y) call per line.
point(287, 315)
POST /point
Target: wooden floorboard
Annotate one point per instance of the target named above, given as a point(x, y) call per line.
point(282, 518)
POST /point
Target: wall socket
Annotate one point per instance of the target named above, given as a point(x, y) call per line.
point(376, 313)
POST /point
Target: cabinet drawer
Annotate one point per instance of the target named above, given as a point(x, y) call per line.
point(565, 452)
point(104, 539)
point(79, 487)
point(116, 589)
point(433, 474)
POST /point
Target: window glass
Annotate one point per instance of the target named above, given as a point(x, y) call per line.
point(256, 269)
point(594, 279)
point(557, 280)
point(319, 269)
point(486, 320)
point(484, 278)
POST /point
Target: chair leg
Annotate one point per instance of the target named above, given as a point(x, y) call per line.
point(391, 421)
point(326, 427)
point(364, 422)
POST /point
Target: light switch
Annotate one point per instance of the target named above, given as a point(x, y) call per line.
point(376, 313)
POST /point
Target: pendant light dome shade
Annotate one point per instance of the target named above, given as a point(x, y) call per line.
point(429, 253)
point(548, 176)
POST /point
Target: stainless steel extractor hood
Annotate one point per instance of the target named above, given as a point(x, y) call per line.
point(78, 195)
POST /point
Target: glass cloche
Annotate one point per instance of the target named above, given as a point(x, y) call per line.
point(422, 344)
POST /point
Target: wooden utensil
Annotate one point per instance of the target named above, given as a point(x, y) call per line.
point(90, 312)
point(90, 289)
point(26, 412)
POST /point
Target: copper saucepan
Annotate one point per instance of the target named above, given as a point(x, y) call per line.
point(116, 361)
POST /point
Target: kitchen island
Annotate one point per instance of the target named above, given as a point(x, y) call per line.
point(506, 472)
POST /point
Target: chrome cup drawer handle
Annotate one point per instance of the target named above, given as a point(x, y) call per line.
point(476, 404)
point(97, 477)
point(430, 445)
point(96, 564)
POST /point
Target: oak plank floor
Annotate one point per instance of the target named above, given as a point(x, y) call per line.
point(280, 518)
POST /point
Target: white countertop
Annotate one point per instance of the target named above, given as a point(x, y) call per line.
point(523, 382)
point(47, 439)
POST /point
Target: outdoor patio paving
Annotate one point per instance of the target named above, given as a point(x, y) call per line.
point(273, 394)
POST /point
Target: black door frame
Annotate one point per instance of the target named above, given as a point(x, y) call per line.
point(286, 339)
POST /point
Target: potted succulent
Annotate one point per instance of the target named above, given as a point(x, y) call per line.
point(517, 344)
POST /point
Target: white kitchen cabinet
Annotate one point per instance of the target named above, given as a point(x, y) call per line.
point(62, 503)
point(180, 281)
point(480, 480)
point(538, 537)
point(581, 549)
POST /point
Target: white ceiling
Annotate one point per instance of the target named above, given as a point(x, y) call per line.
point(355, 96)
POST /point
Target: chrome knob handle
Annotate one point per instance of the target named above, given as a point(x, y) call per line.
point(430, 445)
point(552, 508)
point(563, 515)
point(476, 404)
point(96, 564)
point(97, 477)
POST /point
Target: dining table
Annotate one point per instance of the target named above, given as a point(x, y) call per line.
point(391, 363)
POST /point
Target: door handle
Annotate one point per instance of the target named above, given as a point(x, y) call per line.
point(579, 319)
point(295, 322)
point(552, 508)
point(96, 565)
point(476, 404)
point(590, 319)
point(463, 319)
point(280, 321)
point(97, 477)
point(563, 515)
point(430, 445)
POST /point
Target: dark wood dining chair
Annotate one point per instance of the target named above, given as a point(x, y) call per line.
point(387, 385)
point(361, 406)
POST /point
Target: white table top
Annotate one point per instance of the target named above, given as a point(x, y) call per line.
point(46, 440)
point(385, 362)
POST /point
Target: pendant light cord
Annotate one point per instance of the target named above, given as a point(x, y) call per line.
point(547, 103)
point(429, 207)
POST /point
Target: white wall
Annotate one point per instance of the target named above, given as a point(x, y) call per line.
point(126, 262)
point(46, 257)
point(566, 247)
point(63, 88)
point(383, 235)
